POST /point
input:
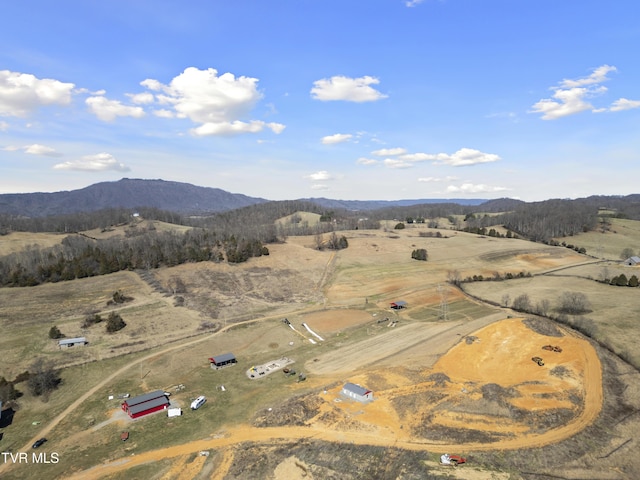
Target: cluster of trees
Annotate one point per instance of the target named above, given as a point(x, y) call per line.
point(570, 246)
point(570, 303)
point(622, 281)
point(334, 242)
point(42, 378)
point(430, 234)
point(496, 277)
point(491, 232)
point(420, 254)
point(78, 256)
point(113, 324)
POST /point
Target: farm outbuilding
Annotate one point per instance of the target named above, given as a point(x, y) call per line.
point(72, 342)
point(632, 261)
point(357, 392)
point(145, 404)
point(400, 304)
point(222, 360)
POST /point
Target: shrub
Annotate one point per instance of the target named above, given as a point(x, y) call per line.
point(54, 332)
point(119, 297)
point(115, 323)
point(420, 254)
point(399, 226)
point(91, 320)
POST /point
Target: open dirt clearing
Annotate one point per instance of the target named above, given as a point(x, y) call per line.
point(413, 345)
point(499, 354)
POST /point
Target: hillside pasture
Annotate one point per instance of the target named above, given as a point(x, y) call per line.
point(27, 314)
point(609, 244)
point(16, 242)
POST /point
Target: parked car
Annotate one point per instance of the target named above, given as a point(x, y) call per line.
point(39, 443)
point(198, 402)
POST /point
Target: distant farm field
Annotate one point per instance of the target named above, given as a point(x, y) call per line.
point(609, 243)
point(19, 241)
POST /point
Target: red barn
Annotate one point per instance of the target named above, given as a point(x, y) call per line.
point(145, 404)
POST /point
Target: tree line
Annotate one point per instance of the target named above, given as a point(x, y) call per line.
point(79, 256)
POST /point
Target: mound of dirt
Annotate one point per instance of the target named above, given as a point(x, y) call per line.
point(296, 411)
point(543, 326)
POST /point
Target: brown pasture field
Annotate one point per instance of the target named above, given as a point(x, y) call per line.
point(608, 245)
point(463, 370)
point(17, 241)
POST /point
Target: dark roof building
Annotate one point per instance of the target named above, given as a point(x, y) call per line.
point(145, 404)
point(399, 304)
point(222, 360)
point(357, 392)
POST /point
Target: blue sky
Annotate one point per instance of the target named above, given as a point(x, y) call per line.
point(366, 99)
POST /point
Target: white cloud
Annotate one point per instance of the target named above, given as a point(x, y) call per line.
point(319, 176)
point(570, 97)
point(144, 98)
point(389, 152)
point(319, 186)
point(624, 104)
point(436, 179)
point(37, 149)
point(367, 161)
point(94, 163)
point(4, 126)
point(420, 157)
point(568, 102)
point(598, 75)
point(235, 128)
point(348, 89)
point(475, 188)
point(461, 158)
point(466, 157)
point(21, 93)
point(107, 110)
point(336, 138)
point(163, 113)
point(413, 3)
point(219, 103)
point(396, 163)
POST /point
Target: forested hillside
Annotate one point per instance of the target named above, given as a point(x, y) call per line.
point(242, 233)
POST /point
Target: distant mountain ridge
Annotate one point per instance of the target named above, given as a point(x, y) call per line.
point(177, 197)
point(364, 205)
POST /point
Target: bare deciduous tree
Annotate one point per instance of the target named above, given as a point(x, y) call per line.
point(522, 303)
point(574, 303)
